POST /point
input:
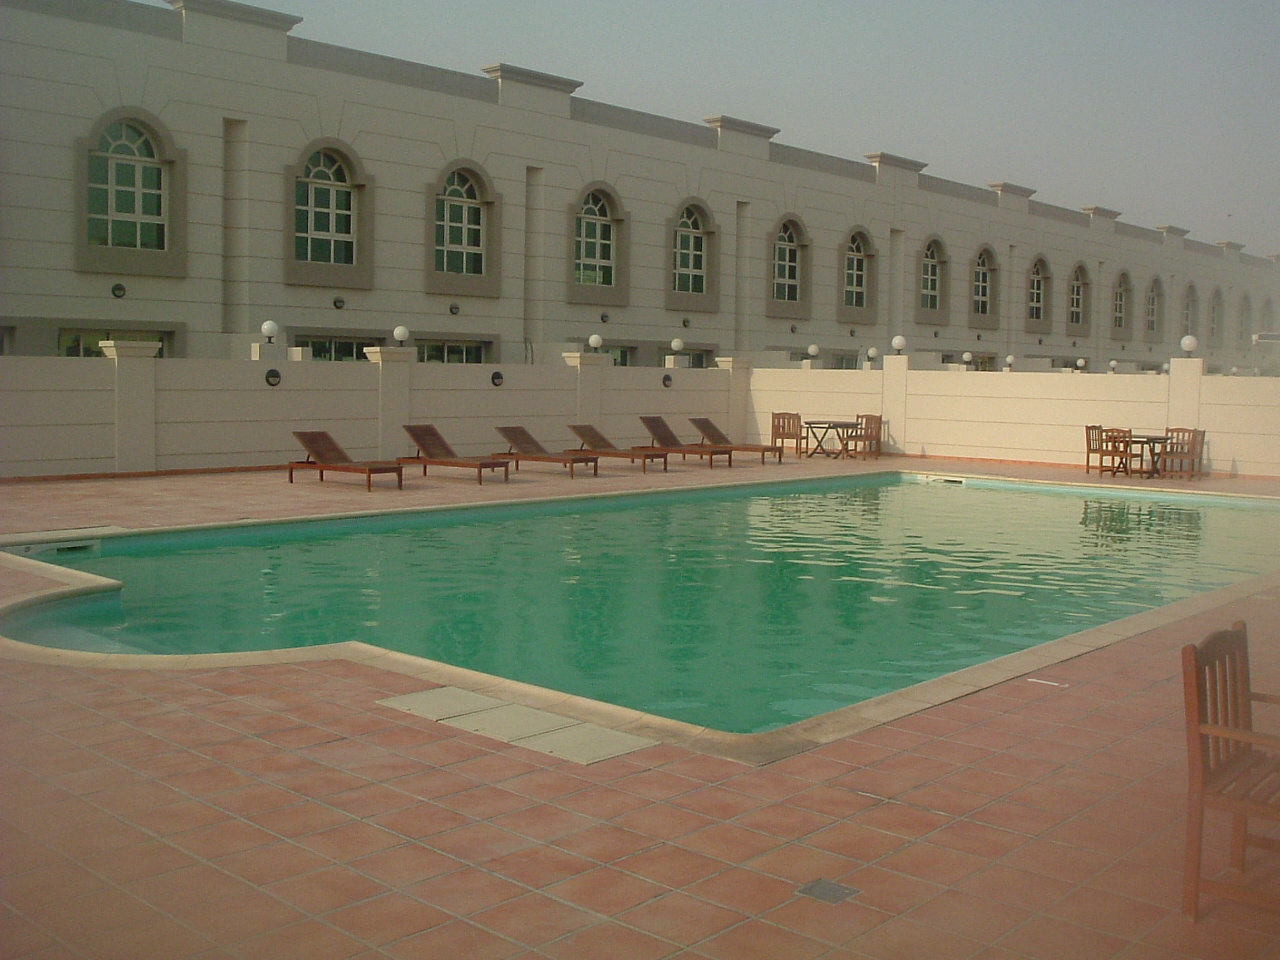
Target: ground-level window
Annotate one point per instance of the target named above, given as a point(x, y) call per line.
point(84, 343)
point(336, 348)
point(452, 351)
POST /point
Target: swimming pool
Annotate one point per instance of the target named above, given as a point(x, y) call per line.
point(741, 609)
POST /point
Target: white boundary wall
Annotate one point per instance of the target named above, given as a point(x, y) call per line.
point(67, 416)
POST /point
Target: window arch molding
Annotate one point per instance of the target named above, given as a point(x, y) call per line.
point(933, 282)
point(800, 308)
point(1122, 307)
point(1039, 301)
point(357, 275)
point(618, 293)
point(1153, 324)
point(708, 301)
point(488, 282)
point(846, 312)
point(984, 289)
point(1079, 301)
point(97, 258)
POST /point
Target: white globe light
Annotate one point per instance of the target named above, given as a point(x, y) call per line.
point(967, 357)
point(872, 353)
point(1113, 364)
point(270, 329)
point(677, 344)
point(1081, 362)
point(812, 350)
point(899, 342)
point(1008, 361)
point(595, 341)
point(1189, 343)
point(401, 333)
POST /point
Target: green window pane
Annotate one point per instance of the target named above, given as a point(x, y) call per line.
point(151, 236)
point(475, 263)
point(606, 231)
point(342, 224)
point(321, 221)
point(439, 210)
point(342, 199)
point(473, 216)
point(344, 251)
point(473, 237)
point(299, 220)
point(453, 261)
point(124, 233)
point(151, 204)
point(300, 193)
point(682, 282)
point(98, 202)
point(300, 248)
point(698, 262)
point(151, 178)
point(125, 201)
point(435, 353)
point(456, 212)
point(439, 234)
point(699, 283)
point(606, 276)
point(321, 250)
point(125, 174)
point(606, 251)
point(98, 167)
point(98, 231)
point(323, 197)
point(439, 260)
point(455, 236)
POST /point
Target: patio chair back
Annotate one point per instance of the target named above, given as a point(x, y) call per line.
point(522, 441)
point(1092, 445)
point(591, 437)
point(710, 432)
point(1184, 454)
point(430, 441)
point(1117, 451)
point(321, 447)
point(662, 433)
point(787, 426)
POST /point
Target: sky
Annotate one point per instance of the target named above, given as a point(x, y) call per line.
point(1167, 111)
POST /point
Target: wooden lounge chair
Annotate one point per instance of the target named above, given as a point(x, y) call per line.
point(789, 427)
point(664, 438)
point(1183, 454)
point(1230, 767)
point(596, 442)
point(323, 453)
point(525, 447)
point(434, 450)
point(713, 435)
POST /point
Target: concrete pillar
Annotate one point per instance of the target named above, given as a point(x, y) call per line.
point(739, 397)
point(1185, 375)
point(893, 403)
point(395, 383)
point(135, 411)
point(591, 368)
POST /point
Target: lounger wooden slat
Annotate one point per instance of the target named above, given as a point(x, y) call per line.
point(664, 438)
point(434, 450)
point(714, 436)
point(525, 447)
point(596, 442)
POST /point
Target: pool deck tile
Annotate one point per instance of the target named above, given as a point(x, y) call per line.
point(285, 805)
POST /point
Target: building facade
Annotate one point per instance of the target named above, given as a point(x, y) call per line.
point(185, 175)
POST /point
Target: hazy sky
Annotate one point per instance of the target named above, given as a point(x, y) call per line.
point(1166, 111)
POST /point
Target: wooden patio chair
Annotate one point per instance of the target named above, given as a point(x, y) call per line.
point(434, 449)
point(664, 438)
point(788, 427)
point(1183, 454)
point(1230, 767)
point(713, 435)
point(1117, 452)
point(324, 453)
point(596, 442)
point(525, 447)
point(865, 441)
point(1092, 446)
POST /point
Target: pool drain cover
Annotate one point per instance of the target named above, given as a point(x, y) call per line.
point(828, 891)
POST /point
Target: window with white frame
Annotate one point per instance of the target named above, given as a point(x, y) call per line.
point(324, 211)
point(930, 273)
point(1035, 292)
point(1120, 303)
point(1155, 307)
point(459, 227)
point(1244, 332)
point(1215, 317)
point(855, 273)
point(982, 285)
point(1190, 312)
point(689, 254)
point(127, 205)
point(1076, 297)
point(86, 343)
point(593, 251)
point(452, 351)
point(336, 348)
point(786, 264)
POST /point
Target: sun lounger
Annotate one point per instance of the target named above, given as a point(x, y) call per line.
point(323, 453)
point(713, 435)
point(525, 447)
point(596, 442)
point(664, 438)
point(435, 451)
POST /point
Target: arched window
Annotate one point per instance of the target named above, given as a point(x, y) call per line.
point(459, 226)
point(855, 273)
point(931, 277)
point(1216, 317)
point(786, 264)
point(1078, 298)
point(1244, 332)
point(689, 254)
point(126, 200)
point(1154, 313)
point(130, 197)
point(1121, 295)
point(1039, 297)
point(1190, 311)
point(593, 259)
point(324, 211)
point(982, 285)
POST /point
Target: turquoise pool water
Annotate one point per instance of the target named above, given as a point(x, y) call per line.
point(741, 609)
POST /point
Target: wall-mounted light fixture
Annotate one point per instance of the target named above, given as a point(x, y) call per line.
point(338, 303)
point(794, 328)
point(666, 379)
point(604, 318)
point(454, 308)
point(273, 377)
point(685, 323)
point(496, 379)
point(118, 290)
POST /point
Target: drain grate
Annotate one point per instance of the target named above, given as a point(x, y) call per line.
point(828, 891)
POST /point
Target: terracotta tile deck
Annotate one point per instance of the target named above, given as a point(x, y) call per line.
point(277, 810)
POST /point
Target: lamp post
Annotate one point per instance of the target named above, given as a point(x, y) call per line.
point(595, 342)
point(1189, 344)
point(1008, 361)
point(270, 330)
point(967, 357)
point(872, 355)
point(1080, 364)
point(899, 343)
point(401, 333)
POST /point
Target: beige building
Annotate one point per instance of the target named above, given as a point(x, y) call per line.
point(188, 174)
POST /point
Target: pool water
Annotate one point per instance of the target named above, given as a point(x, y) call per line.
point(741, 609)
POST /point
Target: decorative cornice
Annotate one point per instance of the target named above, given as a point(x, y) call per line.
point(892, 160)
point(229, 10)
point(733, 124)
point(1012, 189)
point(530, 78)
point(1173, 231)
point(1101, 213)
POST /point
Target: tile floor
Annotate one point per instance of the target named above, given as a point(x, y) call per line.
point(284, 810)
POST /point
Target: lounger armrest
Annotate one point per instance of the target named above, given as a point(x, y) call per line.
point(1244, 736)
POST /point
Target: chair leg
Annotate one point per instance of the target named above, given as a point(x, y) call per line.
point(1191, 864)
